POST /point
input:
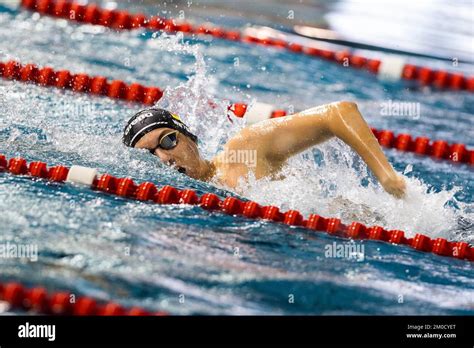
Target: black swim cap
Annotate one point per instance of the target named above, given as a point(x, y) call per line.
point(150, 119)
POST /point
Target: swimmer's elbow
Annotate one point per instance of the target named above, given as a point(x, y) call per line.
point(343, 113)
point(345, 119)
point(346, 107)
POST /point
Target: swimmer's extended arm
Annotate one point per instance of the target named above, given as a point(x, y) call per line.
point(283, 137)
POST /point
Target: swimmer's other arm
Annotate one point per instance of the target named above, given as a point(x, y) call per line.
point(281, 138)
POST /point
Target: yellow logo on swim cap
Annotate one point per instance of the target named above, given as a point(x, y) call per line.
point(176, 117)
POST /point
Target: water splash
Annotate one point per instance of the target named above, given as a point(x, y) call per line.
point(195, 100)
point(341, 186)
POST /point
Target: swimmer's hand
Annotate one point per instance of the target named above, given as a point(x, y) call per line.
point(395, 185)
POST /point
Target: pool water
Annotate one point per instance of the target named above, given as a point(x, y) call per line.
point(185, 260)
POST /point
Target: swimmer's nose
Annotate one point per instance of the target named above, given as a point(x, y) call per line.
point(167, 160)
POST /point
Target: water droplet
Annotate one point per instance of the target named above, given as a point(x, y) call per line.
point(408, 169)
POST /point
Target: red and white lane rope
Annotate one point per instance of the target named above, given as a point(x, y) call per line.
point(95, 85)
point(135, 92)
point(147, 191)
point(390, 68)
point(39, 300)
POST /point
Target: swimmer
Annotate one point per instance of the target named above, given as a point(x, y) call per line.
point(273, 142)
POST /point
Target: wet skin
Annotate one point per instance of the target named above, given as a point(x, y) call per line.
point(274, 141)
point(184, 156)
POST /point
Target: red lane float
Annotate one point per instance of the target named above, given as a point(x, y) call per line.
point(134, 92)
point(147, 191)
point(39, 300)
point(122, 20)
point(95, 85)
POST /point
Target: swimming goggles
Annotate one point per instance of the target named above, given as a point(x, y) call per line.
point(167, 142)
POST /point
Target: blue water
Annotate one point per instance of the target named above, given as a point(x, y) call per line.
point(188, 261)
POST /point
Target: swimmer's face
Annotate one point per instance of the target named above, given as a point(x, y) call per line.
point(184, 156)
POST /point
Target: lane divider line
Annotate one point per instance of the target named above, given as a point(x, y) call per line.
point(38, 300)
point(95, 85)
point(135, 92)
point(147, 191)
point(389, 67)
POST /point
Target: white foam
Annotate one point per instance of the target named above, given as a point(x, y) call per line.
point(335, 190)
